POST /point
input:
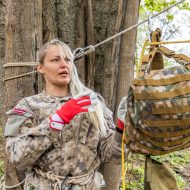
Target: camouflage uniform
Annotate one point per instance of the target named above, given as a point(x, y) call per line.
point(74, 153)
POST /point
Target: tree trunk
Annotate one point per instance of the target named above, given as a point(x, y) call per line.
point(118, 72)
point(23, 38)
point(105, 15)
point(2, 51)
point(127, 52)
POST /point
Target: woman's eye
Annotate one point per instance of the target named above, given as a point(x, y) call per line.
point(54, 60)
point(67, 59)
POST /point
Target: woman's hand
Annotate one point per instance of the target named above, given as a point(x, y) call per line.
point(122, 109)
point(74, 107)
point(82, 103)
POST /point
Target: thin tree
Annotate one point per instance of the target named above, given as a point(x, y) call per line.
point(2, 51)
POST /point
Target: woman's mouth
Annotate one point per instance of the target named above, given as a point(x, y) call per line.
point(63, 73)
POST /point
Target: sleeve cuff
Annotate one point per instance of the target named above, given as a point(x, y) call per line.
point(118, 137)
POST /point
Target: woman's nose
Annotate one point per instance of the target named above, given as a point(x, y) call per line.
point(62, 62)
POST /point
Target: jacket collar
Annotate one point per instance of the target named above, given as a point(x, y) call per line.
point(51, 99)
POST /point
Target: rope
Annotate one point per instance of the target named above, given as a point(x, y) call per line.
point(138, 67)
point(20, 64)
point(170, 42)
point(79, 52)
point(123, 161)
point(4, 187)
point(57, 179)
point(18, 76)
point(51, 177)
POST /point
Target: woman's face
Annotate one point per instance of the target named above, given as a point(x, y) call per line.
point(56, 67)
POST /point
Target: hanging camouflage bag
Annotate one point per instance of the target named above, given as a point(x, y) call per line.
point(158, 118)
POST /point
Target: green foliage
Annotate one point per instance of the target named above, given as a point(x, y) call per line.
point(170, 17)
point(157, 5)
point(184, 6)
point(181, 182)
point(160, 5)
point(1, 168)
point(148, 7)
point(135, 172)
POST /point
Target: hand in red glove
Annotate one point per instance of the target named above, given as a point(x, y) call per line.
point(73, 107)
point(82, 103)
point(122, 109)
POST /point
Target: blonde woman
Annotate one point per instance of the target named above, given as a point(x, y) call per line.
point(61, 135)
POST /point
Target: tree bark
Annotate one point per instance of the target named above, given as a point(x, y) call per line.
point(105, 15)
point(71, 27)
point(127, 52)
point(23, 38)
point(118, 73)
point(90, 59)
point(49, 20)
point(2, 52)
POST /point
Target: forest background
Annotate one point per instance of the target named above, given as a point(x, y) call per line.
point(26, 25)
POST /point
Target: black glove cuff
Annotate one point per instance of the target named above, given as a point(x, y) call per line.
point(119, 130)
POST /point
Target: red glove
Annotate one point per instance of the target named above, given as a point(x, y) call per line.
point(122, 109)
point(83, 102)
point(120, 124)
point(73, 107)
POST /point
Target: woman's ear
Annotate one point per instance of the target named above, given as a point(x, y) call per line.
point(40, 68)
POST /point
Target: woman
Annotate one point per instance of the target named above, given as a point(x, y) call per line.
point(61, 135)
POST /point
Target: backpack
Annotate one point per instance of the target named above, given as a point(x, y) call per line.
point(158, 116)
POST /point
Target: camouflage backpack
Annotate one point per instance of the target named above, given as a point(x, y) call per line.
point(158, 117)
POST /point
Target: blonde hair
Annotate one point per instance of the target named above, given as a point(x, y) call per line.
point(76, 86)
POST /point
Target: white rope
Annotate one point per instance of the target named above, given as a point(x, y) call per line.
point(4, 187)
point(19, 76)
point(20, 64)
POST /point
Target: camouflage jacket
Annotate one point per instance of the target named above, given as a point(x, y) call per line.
point(77, 149)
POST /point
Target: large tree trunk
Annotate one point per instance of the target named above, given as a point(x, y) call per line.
point(2, 51)
point(23, 38)
point(105, 15)
point(117, 72)
point(126, 53)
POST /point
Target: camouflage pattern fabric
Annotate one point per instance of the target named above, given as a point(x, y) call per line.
point(76, 150)
point(158, 118)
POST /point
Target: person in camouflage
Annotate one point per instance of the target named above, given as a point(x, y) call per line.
point(61, 135)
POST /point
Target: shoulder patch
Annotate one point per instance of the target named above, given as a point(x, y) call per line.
point(19, 111)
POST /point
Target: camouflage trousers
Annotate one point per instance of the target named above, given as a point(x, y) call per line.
point(91, 181)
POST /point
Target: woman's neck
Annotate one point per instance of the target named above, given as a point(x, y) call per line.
point(57, 90)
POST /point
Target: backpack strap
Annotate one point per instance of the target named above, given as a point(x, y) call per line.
point(154, 59)
point(180, 58)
